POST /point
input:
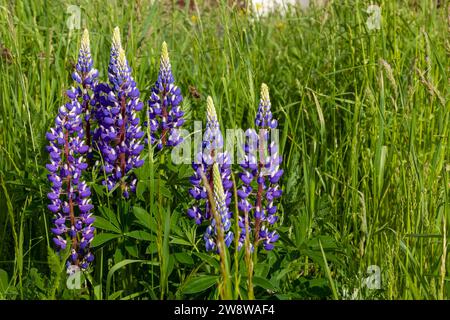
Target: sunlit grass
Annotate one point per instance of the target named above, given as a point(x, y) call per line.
point(364, 119)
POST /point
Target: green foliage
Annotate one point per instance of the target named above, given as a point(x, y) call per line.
point(364, 119)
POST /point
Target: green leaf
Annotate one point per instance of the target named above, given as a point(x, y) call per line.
point(140, 189)
point(181, 242)
point(109, 215)
point(262, 269)
point(263, 283)
point(207, 258)
point(98, 292)
point(115, 295)
point(132, 249)
point(56, 262)
point(328, 273)
point(200, 284)
point(118, 266)
point(4, 283)
point(327, 242)
point(145, 219)
point(143, 173)
point(165, 192)
point(104, 224)
point(184, 258)
point(99, 189)
point(140, 235)
point(170, 265)
point(152, 248)
point(165, 244)
point(102, 238)
point(37, 279)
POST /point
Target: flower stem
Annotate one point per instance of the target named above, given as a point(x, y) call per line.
point(260, 185)
point(122, 134)
point(69, 195)
point(247, 246)
point(226, 292)
point(160, 233)
point(236, 241)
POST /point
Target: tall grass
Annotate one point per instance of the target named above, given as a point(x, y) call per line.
point(364, 119)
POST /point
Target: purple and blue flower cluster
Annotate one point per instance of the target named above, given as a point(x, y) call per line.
point(117, 141)
point(86, 77)
point(212, 152)
point(117, 138)
point(165, 113)
point(118, 134)
point(223, 212)
point(260, 196)
point(69, 196)
point(259, 176)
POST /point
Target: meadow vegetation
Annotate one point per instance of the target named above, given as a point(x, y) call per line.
point(364, 128)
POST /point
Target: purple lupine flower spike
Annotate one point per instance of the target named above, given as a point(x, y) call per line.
point(119, 133)
point(165, 114)
point(264, 118)
point(86, 77)
point(266, 171)
point(245, 193)
point(221, 207)
point(114, 55)
point(212, 153)
point(271, 163)
point(85, 74)
point(70, 196)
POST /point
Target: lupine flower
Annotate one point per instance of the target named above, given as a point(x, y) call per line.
point(266, 172)
point(212, 153)
point(119, 134)
point(165, 114)
point(84, 73)
point(114, 54)
point(69, 196)
point(264, 118)
point(86, 77)
point(221, 207)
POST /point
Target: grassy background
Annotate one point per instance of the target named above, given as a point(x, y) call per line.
point(364, 119)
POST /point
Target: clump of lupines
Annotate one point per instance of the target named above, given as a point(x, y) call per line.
point(86, 77)
point(69, 196)
point(267, 173)
point(68, 143)
point(165, 114)
point(118, 135)
point(210, 154)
